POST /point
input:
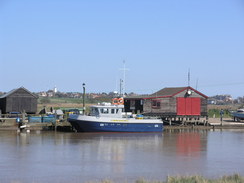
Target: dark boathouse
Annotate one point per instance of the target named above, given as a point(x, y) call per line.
point(169, 103)
point(18, 100)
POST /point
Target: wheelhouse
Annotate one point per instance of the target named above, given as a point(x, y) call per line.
point(107, 110)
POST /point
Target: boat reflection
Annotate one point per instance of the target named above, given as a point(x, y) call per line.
point(81, 157)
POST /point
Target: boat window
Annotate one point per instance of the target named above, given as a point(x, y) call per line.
point(117, 110)
point(112, 111)
point(92, 110)
point(96, 111)
point(104, 111)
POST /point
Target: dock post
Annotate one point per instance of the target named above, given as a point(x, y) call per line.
point(221, 116)
point(55, 121)
point(184, 120)
point(23, 117)
point(84, 94)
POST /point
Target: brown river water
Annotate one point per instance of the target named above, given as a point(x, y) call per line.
point(59, 157)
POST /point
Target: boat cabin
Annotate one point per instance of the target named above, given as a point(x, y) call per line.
point(107, 110)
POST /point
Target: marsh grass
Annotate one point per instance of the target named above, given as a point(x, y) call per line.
point(191, 179)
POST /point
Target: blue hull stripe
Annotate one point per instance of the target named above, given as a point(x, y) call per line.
point(86, 126)
point(238, 115)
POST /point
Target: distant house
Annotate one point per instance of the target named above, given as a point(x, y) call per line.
point(18, 100)
point(169, 102)
point(212, 101)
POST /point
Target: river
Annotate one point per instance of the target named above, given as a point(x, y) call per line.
point(60, 157)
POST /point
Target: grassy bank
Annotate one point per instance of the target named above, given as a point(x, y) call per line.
point(193, 179)
point(57, 103)
point(213, 110)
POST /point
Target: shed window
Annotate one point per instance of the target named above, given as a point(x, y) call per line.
point(156, 104)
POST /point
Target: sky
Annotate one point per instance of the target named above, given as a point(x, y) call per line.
point(65, 43)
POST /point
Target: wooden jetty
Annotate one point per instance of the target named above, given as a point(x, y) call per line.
point(11, 123)
point(8, 122)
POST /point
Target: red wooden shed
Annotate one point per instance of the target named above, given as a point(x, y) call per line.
point(170, 102)
point(178, 101)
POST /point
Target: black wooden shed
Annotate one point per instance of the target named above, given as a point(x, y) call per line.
point(169, 102)
point(18, 100)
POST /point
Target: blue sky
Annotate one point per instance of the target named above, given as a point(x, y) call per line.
point(63, 43)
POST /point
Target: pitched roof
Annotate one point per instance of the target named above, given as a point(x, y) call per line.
point(14, 90)
point(170, 92)
point(166, 92)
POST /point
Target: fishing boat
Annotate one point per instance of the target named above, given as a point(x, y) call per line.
point(238, 115)
point(107, 117)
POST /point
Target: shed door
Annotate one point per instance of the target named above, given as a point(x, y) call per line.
point(196, 106)
point(188, 106)
point(181, 106)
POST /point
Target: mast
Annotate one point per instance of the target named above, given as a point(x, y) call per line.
point(189, 77)
point(124, 69)
point(197, 84)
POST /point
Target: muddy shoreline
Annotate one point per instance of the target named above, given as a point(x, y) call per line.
point(213, 123)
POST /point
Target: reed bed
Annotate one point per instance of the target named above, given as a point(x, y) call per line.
point(190, 179)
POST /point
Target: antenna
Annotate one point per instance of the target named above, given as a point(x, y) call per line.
point(197, 84)
point(189, 77)
point(124, 70)
point(120, 87)
point(116, 86)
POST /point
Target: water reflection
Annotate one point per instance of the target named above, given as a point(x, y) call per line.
point(79, 157)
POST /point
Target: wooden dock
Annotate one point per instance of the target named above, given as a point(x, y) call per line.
point(64, 125)
point(225, 123)
point(11, 124)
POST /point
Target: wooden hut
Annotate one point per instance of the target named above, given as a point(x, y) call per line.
point(18, 100)
point(134, 104)
point(169, 103)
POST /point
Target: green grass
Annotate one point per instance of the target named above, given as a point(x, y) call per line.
point(61, 100)
point(199, 179)
point(71, 100)
point(216, 113)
